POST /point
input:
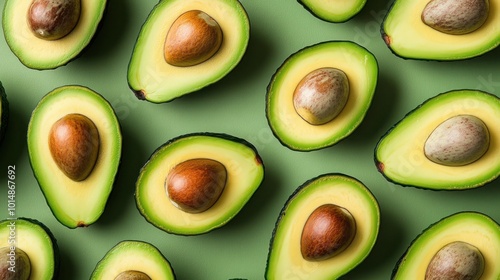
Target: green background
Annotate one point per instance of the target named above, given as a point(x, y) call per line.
point(236, 105)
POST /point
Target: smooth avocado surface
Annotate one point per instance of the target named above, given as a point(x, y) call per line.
point(34, 243)
point(166, 63)
point(409, 34)
point(334, 11)
point(472, 228)
point(48, 53)
point(75, 202)
point(291, 128)
point(244, 172)
point(133, 259)
point(400, 154)
point(286, 259)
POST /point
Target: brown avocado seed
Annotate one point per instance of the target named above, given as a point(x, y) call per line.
point(53, 19)
point(196, 184)
point(193, 38)
point(132, 275)
point(14, 264)
point(328, 231)
point(74, 145)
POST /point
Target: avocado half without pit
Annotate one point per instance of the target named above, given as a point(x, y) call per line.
point(449, 142)
point(197, 182)
point(463, 245)
point(185, 45)
point(320, 94)
point(442, 29)
point(74, 145)
point(28, 250)
point(335, 10)
point(326, 228)
point(46, 34)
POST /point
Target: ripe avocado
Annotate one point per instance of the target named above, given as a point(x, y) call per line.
point(473, 228)
point(244, 174)
point(285, 258)
point(361, 69)
point(38, 53)
point(400, 153)
point(75, 203)
point(133, 257)
point(152, 78)
point(4, 112)
point(333, 11)
point(34, 243)
point(408, 36)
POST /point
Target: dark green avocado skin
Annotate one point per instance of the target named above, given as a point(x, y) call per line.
point(5, 113)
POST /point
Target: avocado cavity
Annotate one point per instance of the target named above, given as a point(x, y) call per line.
point(321, 95)
point(193, 38)
point(53, 19)
point(457, 260)
point(455, 16)
point(19, 258)
point(74, 145)
point(195, 185)
point(132, 275)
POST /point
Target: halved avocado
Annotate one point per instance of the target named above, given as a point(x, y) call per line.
point(285, 258)
point(4, 112)
point(408, 36)
point(244, 169)
point(400, 157)
point(37, 53)
point(361, 69)
point(153, 79)
point(130, 258)
point(30, 237)
point(333, 11)
point(474, 228)
point(75, 203)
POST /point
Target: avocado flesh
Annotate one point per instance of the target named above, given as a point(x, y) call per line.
point(474, 228)
point(285, 260)
point(75, 204)
point(334, 11)
point(4, 112)
point(245, 172)
point(136, 256)
point(361, 69)
point(409, 37)
point(37, 241)
point(399, 154)
point(42, 54)
point(153, 79)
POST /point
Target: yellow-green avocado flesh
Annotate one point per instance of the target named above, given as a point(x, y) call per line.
point(42, 54)
point(473, 228)
point(285, 260)
point(400, 157)
point(153, 79)
point(334, 10)
point(133, 255)
point(75, 203)
point(245, 172)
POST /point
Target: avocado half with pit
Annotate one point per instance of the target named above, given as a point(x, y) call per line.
point(197, 182)
point(28, 250)
point(442, 29)
point(449, 142)
point(133, 259)
point(4, 112)
point(334, 10)
point(74, 146)
point(41, 40)
point(463, 245)
point(168, 62)
point(321, 94)
point(327, 227)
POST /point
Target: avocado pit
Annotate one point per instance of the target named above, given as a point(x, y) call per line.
point(328, 231)
point(193, 38)
point(74, 145)
point(321, 95)
point(53, 19)
point(459, 140)
point(196, 184)
point(14, 264)
point(132, 275)
point(458, 261)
